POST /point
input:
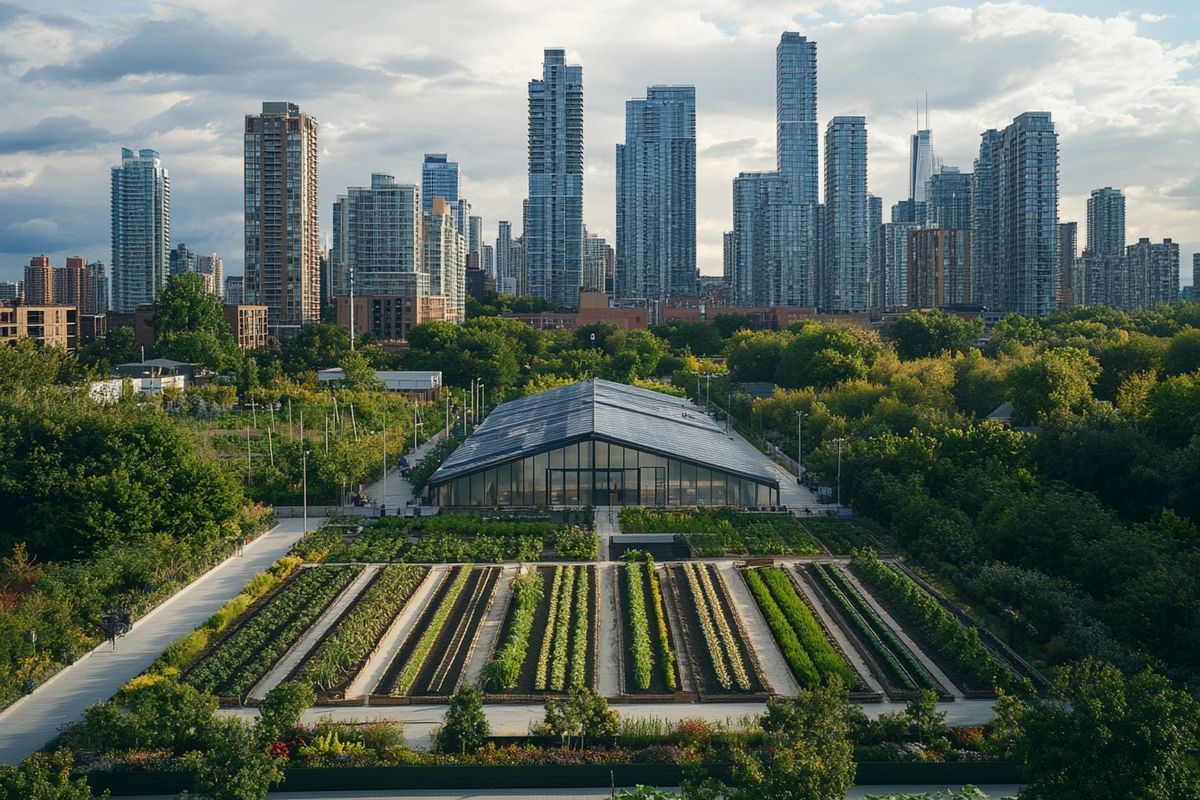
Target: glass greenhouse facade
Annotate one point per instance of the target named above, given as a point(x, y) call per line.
point(618, 446)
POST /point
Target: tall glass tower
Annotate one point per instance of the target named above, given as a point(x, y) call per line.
point(439, 178)
point(921, 164)
point(553, 235)
point(141, 229)
point(378, 240)
point(796, 117)
point(846, 214)
point(656, 195)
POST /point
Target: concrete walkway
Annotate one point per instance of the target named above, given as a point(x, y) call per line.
point(488, 637)
point(607, 524)
point(33, 720)
point(398, 490)
point(296, 653)
point(377, 663)
point(607, 658)
point(775, 668)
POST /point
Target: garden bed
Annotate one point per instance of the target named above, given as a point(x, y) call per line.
point(433, 657)
point(723, 660)
point(649, 654)
point(714, 532)
point(581, 636)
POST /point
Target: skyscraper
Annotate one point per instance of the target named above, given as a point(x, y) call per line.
point(378, 240)
point(875, 272)
point(845, 276)
point(1068, 251)
point(553, 231)
point(921, 164)
point(1105, 260)
point(656, 195)
point(141, 229)
point(474, 234)
point(1015, 215)
point(212, 267)
point(489, 261)
point(95, 289)
point(39, 281)
point(445, 259)
point(948, 202)
point(235, 292)
point(181, 260)
point(598, 262)
point(939, 268)
point(796, 131)
point(439, 178)
point(506, 262)
point(1153, 274)
point(283, 244)
point(728, 260)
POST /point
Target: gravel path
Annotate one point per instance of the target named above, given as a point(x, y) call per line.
point(775, 669)
point(372, 672)
point(487, 639)
point(296, 653)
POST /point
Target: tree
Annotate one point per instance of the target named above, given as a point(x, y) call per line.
point(25, 367)
point(1015, 329)
point(925, 721)
point(583, 713)
point(922, 334)
point(1183, 353)
point(1173, 409)
point(1059, 381)
point(281, 708)
point(466, 727)
point(358, 374)
point(44, 777)
point(189, 325)
point(806, 753)
point(316, 346)
point(755, 357)
point(1102, 736)
point(235, 764)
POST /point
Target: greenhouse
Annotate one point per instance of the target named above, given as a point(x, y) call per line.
point(601, 443)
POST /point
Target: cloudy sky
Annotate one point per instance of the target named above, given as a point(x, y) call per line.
point(389, 81)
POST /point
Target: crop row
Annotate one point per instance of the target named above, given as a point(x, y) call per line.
point(385, 544)
point(904, 667)
point(722, 649)
point(504, 669)
point(542, 673)
point(957, 643)
point(580, 625)
point(666, 656)
point(785, 636)
point(416, 659)
point(342, 654)
point(463, 636)
point(562, 633)
point(723, 531)
point(244, 656)
point(812, 637)
point(639, 625)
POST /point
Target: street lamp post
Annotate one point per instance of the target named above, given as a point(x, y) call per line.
point(839, 441)
point(800, 446)
point(384, 433)
point(304, 479)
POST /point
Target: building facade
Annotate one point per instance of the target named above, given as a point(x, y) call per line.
point(378, 238)
point(283, 248)
point(439, 178)
point(598, 262)
point(39, 281)
point(141, 229)
point(921, 164)
point(47, 325)
point(656, 196)
point(845, 263)
point(1068, 252)
point(796, 129)
point(553, 231)
point(948, 201)
point(1153, 274)
point(939, 267)
point(1015, 216)
point(248, 324)
point(445, 260)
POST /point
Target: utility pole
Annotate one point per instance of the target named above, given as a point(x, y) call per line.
point(384, 434)
point(351, 307)
point(447, 415)
point(248, 455)
point(271, 446)
point(304, 468)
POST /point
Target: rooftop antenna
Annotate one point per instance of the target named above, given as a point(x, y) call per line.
point(926, 110)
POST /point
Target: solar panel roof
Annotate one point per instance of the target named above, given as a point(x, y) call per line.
point(618, 413)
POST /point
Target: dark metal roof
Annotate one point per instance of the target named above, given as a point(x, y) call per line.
point(618, 413)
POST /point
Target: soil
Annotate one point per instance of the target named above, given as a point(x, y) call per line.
point(541, 619)
point(461, 616)
point(697, 645)
point(658, 684)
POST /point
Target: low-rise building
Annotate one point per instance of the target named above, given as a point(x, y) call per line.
point(110, 390)
point(49, 326)
point(416, 384)
point(248, 324)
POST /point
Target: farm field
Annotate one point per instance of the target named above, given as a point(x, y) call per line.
point(721, 654)
point(725, 532)
point(649, 652)
point(548, 642)
point(431, 660)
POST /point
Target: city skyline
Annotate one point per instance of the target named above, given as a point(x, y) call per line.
point(1108, 139)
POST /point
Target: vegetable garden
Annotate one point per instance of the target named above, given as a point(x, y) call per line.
point(721, 653)
point(717, 532)
point(455, 538)
point(649, 654)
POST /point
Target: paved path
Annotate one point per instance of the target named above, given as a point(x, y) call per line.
point(33, 720)
point(399, 490)
point(381, 658)
point(487, 638)
point(296, 653)
point(607, 524)
point(839, 636)
point(775, 668)
point(515, 719)
point(609, 683)
point(791, 493)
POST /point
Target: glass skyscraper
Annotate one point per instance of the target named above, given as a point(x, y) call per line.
point(796, 132)
point(656, 195)
point(377, 240)
point(845, 276)
point(439, 178)
point(1015, 216)
point(921, 164)
point(141, 229)
point(948, 204)
point(283, 246)
point(553, 235)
